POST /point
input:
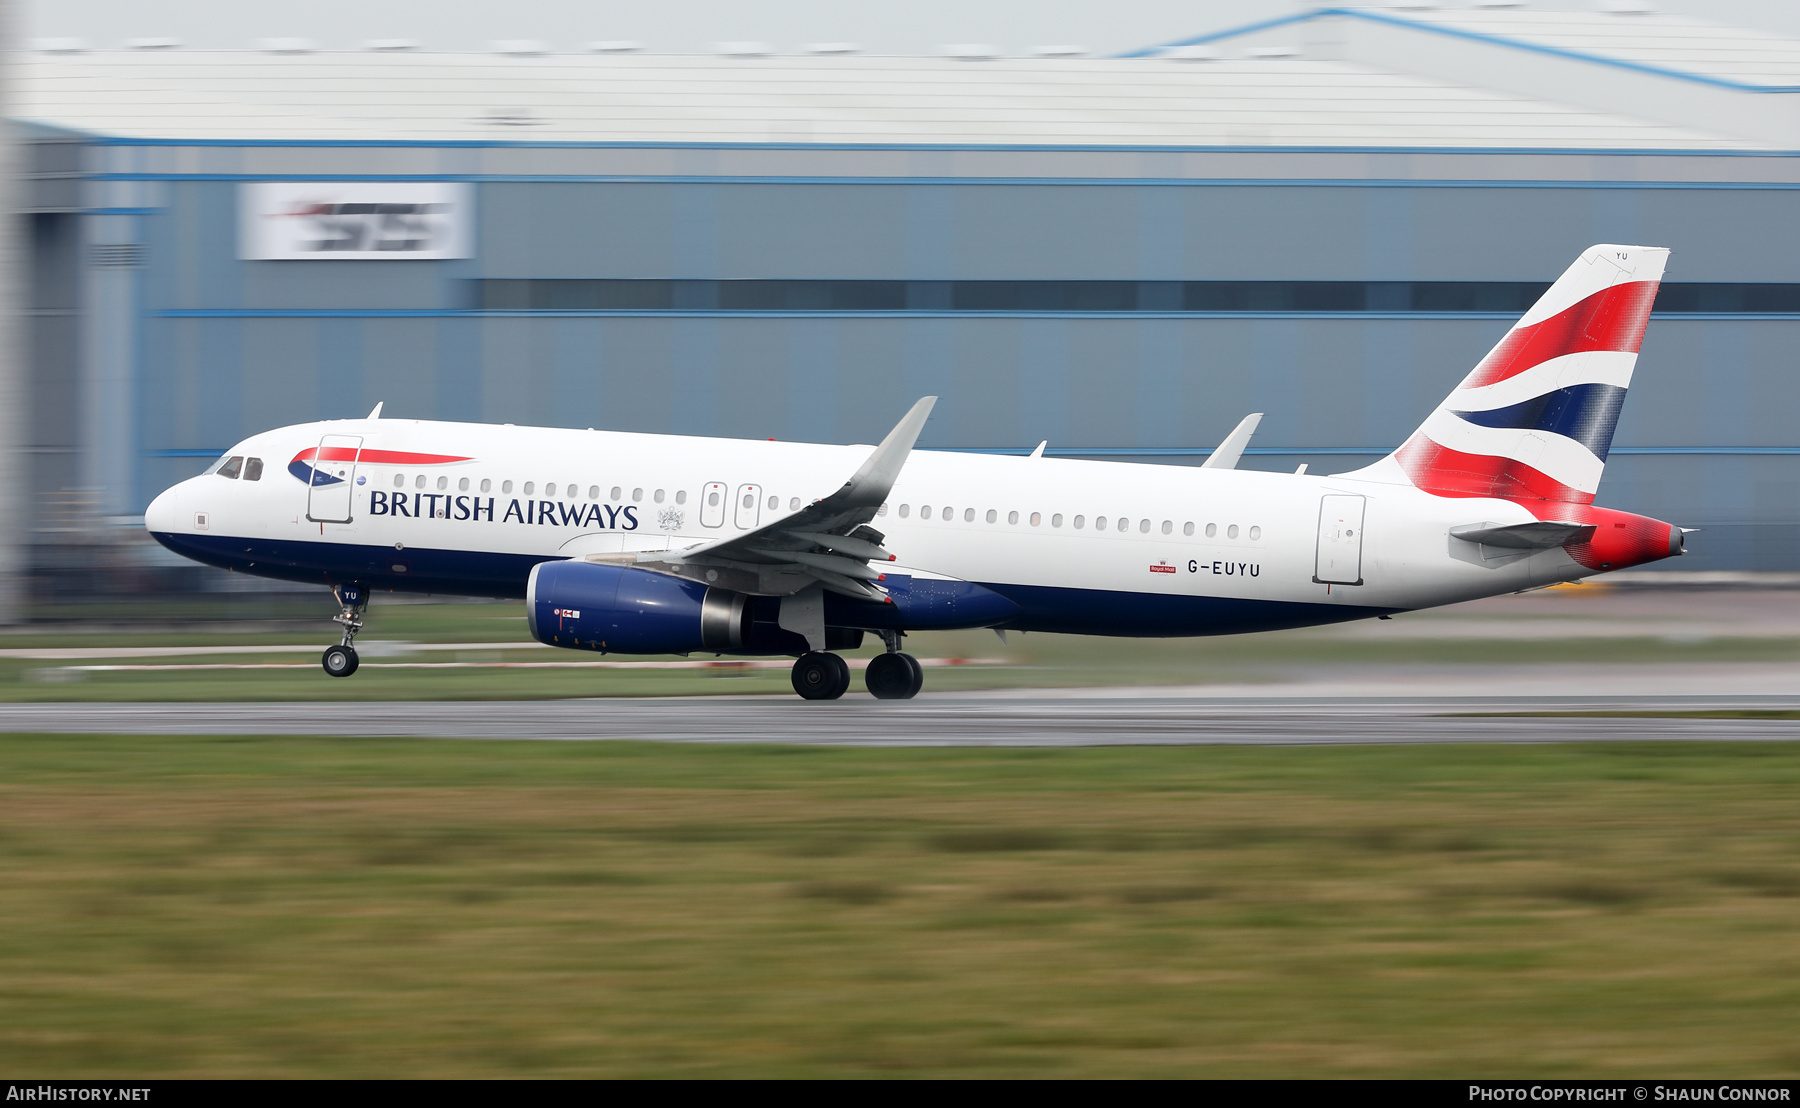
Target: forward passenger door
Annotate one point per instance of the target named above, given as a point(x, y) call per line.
point(328, 493)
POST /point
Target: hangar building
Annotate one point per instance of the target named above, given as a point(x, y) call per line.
point(1328, 219)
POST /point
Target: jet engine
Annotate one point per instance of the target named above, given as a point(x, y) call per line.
point(621, 610)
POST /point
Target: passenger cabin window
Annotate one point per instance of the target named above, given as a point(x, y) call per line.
point(1255, 533)
point(232, 467)
point(1168, 526)
point(462, 485)
point(1056, 520)
point(794, 504)
point(1188, 530)
point(593, 492)
point(881, 511)
point(1231, 532)
point(529, 487)
point(506, 486)
point(637, 494)
point(1099, 522)
point(550, 488)
point(681, 496)
point(487, 484)
point(775, 502)
point(659, 497)
point(252, 469)
point(1078, 522)
point(1144, 527)
point(399, 480)
point(615, 492)
point(992, 515)
point(443, 483)
point(905, 510)
point(1212, 529)
point(924, 511)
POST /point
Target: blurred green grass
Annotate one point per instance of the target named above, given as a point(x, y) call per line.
point(1026, 661)
point(374, 908)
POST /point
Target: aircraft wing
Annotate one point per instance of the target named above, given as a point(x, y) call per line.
point(828, 542)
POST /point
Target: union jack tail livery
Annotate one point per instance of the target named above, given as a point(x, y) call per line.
point(1534, 420)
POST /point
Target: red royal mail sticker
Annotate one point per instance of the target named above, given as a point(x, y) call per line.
point(1162, 569)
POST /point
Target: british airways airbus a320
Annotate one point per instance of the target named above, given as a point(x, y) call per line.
point(657, 544)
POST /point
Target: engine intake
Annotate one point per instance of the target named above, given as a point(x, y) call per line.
point(621, 610)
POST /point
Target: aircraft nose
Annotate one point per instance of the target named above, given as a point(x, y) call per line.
point(163, 512)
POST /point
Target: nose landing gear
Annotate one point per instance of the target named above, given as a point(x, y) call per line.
point(341, 660)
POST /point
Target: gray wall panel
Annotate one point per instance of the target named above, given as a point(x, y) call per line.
point(575, 230)
point(813, 231)
point(580, 386)
point(752, 393)
point(1274, 233)
point(985, 404)
point(335, 284)
point(399, 359)
point(339, 385)
point(216, 379)
point(459, 347)
point(1066, 232)
point(1102, 385)
point(280, 372)
point(633, 356)
point(874, 383)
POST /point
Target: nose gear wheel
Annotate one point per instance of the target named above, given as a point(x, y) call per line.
point(340, 661)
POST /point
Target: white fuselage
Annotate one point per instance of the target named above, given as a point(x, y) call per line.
point(1070, 535)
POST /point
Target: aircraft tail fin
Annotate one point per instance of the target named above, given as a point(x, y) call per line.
point(1534, 420)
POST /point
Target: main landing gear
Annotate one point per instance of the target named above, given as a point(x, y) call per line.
point(820, 676)
point(892, 676)
point(341, 660)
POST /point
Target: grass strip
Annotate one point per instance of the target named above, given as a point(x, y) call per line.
point(214, 907)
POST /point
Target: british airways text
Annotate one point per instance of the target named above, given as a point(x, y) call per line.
point(550, 513)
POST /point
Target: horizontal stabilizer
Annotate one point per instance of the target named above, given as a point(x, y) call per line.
point(1536, 535)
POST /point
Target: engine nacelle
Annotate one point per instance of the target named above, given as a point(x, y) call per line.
point(620, 610)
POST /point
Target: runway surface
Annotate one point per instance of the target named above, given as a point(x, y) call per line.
point(1049, 718)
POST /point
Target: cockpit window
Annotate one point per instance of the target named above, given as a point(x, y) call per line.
point(252, 469)
point(232, 466)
